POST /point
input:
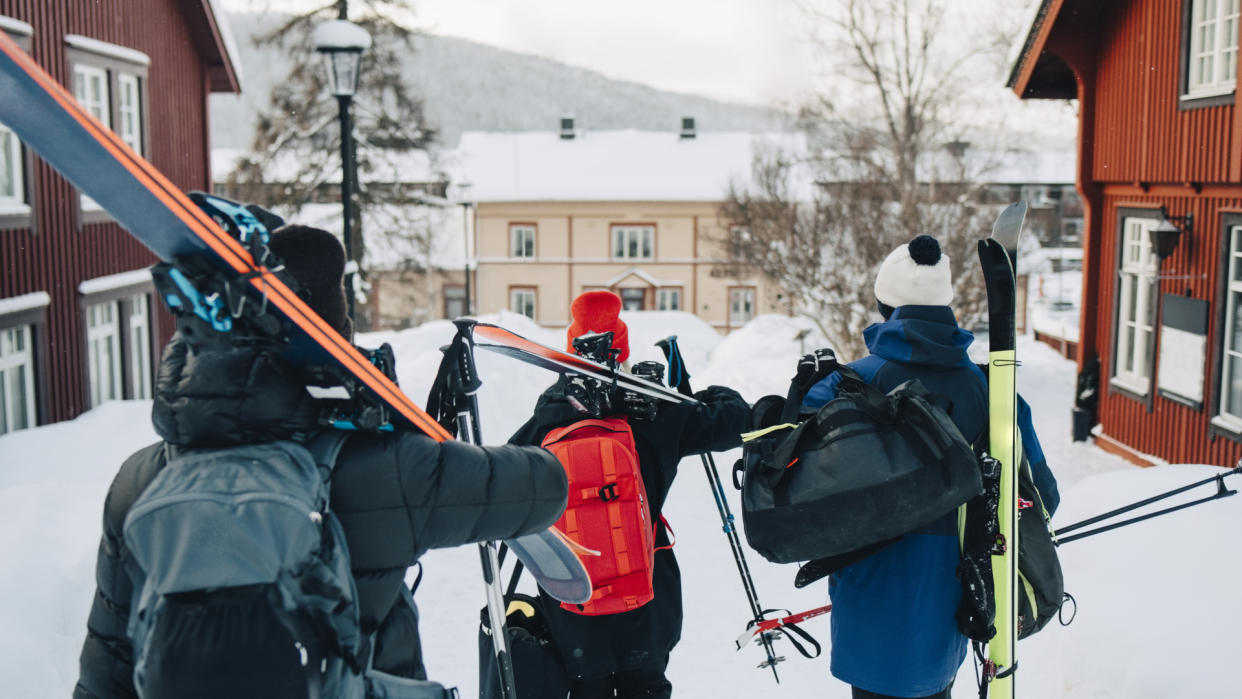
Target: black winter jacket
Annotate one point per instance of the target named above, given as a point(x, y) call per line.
point(595, 646)
point(396, 495)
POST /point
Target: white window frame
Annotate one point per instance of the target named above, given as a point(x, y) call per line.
point(12, 164)
point(99, 106)
point(739, 296)
point(1136, 311)
point(17, 372)
point(669, 299)
point(524, 301)
point(120, 73)
point(129, 110)
point(103, 341)
point(139, 328)
point(522, 241)
point(1231, 355)
point(630, 242)
point(1212, 58)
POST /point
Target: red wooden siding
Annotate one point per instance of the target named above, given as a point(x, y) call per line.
point(1170, 431)
point(1140, 135)
point(55, 256)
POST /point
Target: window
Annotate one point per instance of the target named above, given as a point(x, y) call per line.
point(455, 302)
point(1212, 54)
point(741, 305)
point(17, 391)
point(522, 301)
point(139, 346)
point(12, 180)
point(109, 81)
point(738, 237)
point(633, 242)
point(668, 299)
point(103, 337)
point(633, 299)
point(1231, 367)
point(522, 240)
point(1136, 306)
point(90, 86)
point(129, 111)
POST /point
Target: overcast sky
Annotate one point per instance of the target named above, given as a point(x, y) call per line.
point(740, 50)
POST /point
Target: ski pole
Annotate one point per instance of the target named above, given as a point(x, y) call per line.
point(464, 384)
point(679, 378)
point(1221, 492)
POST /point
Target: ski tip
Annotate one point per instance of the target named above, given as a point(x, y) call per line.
point(554, 564)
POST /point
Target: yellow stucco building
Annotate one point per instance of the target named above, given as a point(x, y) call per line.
point(636, 212)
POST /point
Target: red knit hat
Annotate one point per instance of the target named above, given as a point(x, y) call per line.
point(599, 312)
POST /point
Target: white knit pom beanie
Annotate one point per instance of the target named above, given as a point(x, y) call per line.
point(915, 274)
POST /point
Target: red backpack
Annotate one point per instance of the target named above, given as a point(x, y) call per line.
point(607, 512)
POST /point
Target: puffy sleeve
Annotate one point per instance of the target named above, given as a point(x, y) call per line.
point(420, 494)
point(716, 423)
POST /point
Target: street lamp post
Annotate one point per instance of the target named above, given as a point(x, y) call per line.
point(463, 198)
point(342, 43)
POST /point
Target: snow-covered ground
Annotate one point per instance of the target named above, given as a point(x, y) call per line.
point(1158, 601)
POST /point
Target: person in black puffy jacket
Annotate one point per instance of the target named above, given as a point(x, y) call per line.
point(626, 654)
point(396, 494)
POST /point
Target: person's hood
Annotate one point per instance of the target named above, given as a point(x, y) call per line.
point(223, 397)
point(920, 335)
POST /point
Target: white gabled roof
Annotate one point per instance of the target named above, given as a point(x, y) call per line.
point(626, 165)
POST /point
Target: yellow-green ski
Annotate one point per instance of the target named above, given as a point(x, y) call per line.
point(998, 256)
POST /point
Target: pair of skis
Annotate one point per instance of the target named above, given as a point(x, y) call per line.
point(215, 273)
point(998, 257)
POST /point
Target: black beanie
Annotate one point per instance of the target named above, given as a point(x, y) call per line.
point(316, 260)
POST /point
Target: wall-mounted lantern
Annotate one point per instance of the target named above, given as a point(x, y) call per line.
point(1166, 235)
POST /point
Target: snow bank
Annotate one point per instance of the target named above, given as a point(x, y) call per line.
point(53, 481)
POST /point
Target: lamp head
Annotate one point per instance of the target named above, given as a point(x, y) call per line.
point(342, 43)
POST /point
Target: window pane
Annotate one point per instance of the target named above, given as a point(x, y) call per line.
point(632, 242)
point(647, 243)
point(4, 403)
point(8, 165)
point(1128, 360)
point(618, 242)
point(20, 419)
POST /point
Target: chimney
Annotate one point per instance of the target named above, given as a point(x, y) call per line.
point(567, 128)
point(687, 128)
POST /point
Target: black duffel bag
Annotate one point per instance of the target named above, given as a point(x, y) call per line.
point(865, 468)
point(537, 669)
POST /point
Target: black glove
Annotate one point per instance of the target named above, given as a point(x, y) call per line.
point(717, 394)
point(813, 368)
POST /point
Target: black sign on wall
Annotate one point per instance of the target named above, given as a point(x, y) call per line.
point(1183, 349)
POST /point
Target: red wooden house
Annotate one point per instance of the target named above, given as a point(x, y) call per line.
point(1160, 174)
point(78, 320)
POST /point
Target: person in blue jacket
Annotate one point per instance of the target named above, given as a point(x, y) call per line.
point(893, 628)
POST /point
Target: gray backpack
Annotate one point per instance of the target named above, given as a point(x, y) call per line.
point(242, 582)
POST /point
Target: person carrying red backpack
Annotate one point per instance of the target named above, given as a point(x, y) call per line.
point(624, 653)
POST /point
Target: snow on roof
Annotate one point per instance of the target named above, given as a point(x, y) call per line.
point(624, 165)
point(231, 54)
point(633, 165)
point(385, 166)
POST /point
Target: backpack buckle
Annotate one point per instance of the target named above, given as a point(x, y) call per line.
point(608, 493)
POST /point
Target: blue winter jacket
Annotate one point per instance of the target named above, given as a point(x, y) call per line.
point(893, 627)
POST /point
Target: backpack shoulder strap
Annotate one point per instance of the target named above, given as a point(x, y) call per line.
point(325, 446)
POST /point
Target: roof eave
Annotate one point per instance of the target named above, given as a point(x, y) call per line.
point(215, 45)
point(1027, 54)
